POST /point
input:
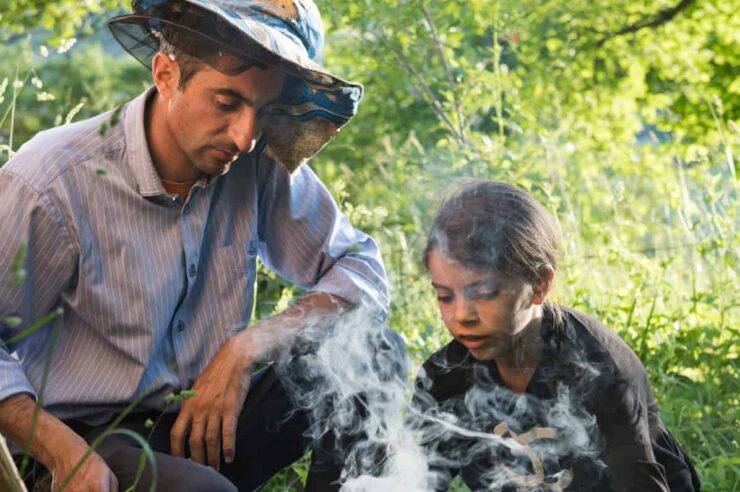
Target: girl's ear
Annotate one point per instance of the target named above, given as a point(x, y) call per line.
point(543, 285)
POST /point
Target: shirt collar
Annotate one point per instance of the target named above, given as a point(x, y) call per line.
point(139, 158)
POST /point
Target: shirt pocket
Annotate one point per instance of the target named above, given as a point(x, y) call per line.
point(232, 280)
point(237, 257)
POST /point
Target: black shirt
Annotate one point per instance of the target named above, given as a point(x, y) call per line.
point(587, 420)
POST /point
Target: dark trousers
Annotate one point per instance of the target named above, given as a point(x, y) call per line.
point(270, 436)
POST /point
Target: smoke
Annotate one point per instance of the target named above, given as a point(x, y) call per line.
point(350, 374)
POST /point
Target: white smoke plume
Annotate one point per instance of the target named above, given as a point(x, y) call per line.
point(351, 375)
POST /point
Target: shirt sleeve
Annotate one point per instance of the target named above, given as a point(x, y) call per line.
point(36, 261)
point(306, 239)
point(623, 420)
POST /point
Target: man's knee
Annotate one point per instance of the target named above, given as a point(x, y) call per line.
point(173, 474)
point(197, 478)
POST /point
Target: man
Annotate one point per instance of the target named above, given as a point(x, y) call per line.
point(143, 225)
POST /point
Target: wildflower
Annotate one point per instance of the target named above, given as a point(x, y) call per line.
point(44, 51)
point(73, 112)
point(19, 276)
point(66, 44)
point(619, 190)
point(178, 397)
point(185, 394)
point(8, 149)
point(45, 96)
point(718, 103)
point(17, 84)
point(36, 82)
point(19, 273)
point(13, 321)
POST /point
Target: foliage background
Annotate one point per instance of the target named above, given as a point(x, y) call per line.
point(621, 117)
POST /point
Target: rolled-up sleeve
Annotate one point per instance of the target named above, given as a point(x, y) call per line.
point(306, 239)
point(36, 261)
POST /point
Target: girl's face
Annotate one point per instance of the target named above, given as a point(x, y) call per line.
point(485, 311)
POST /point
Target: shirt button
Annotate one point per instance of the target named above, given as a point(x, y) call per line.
point(192, 270)
point(180, 325)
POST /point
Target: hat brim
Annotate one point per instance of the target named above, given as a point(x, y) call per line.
point(313, 104)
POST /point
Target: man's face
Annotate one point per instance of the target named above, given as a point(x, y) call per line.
point(215, 117)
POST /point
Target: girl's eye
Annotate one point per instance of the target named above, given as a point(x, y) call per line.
point(487, 294)
point(444, 299)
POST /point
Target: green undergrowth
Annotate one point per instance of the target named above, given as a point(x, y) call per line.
point(629, 138)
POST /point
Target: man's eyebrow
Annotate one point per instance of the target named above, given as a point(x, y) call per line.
point(232, 93)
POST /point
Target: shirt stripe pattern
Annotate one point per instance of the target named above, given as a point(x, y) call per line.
point(151, 285)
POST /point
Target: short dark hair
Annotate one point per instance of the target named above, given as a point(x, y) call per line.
point(172, 42)
point(193, 37)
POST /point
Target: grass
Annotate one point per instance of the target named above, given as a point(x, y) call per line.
point(651, 240)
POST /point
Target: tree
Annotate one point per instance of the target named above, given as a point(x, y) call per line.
point(622, 117)
point(63, 19)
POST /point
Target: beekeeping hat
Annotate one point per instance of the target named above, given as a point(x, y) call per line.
point(233, 35)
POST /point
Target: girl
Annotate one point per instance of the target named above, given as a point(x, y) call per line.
point(530, 395)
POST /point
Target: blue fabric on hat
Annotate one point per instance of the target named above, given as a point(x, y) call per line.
point(305, 24)
point(313, 104)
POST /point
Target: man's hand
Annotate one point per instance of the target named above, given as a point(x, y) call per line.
point(56, 446)
point(93, 476)
point(209, 418)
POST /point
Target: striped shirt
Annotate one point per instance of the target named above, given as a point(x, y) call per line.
point(151, 284)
